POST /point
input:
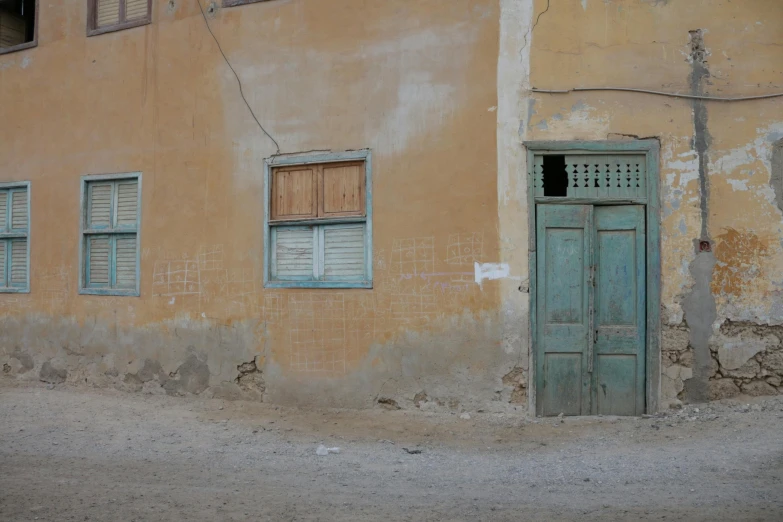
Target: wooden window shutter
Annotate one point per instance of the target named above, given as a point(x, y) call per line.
point(127, 203)
point(3, 210)
point(294, 249)
point(18, 262)
point(98, 268)
point(3, 245)
point(125, 261)
point(136, 9)
point(12, 30)
point(100, 205)
point(343, 190)
point(294, 193)
point(19, 209)
point(107, 13)
point(343, 251)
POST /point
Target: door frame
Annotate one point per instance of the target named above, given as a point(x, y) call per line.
point(651, 149)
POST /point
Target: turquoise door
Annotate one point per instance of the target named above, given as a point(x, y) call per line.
point(590, 310)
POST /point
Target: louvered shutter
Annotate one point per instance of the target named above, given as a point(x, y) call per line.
point(3, 210)
point(343, 252)
point(107, 13)
point(100, 205)
point(19, 209)
point(294, 253)
point(18, 262)
point(135, 9)
point(98, 268)
point(12, 30)
point(125, 261)
point(3, 245)
point(127, 203)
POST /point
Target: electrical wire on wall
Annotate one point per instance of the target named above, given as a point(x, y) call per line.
point(661, 93)
point(239, 81)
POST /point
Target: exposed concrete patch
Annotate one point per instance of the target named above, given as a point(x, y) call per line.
point(51, 374)
point(700, 313)
point(776, 179)
point(191, 377)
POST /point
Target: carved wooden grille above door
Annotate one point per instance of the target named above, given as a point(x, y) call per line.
point(617, 176)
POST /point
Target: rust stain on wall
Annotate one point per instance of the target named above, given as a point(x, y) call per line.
point(739, 263)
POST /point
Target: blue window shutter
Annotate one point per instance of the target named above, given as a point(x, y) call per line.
point(98, 261)
point(127, 203)
point(125, 261)
point(3, 247)
point(3, 210)
point(19, 209)
point(343, 252)
point(18, 263)
point(100, 202)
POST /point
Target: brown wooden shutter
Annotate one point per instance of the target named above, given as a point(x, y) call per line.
point(18, 262)
point(125, 261)
point(127, 203)
point(107, 13)
point(19, 209)
point(99, 261)
point(343, 190)
point(100, 205)
point(294, 193)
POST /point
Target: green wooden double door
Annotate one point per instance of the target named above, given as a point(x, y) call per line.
point(590, 310)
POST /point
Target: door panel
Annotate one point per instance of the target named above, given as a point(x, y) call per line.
point(620, 318)
point(563, 248)
point(590, 310)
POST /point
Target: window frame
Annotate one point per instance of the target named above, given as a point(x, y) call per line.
point(94, 30)
point(84, 233)
point(364, 155)
point(27, 45)
point(8, 186)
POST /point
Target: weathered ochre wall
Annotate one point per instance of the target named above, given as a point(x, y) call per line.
point(722, 310)
point(412, 80)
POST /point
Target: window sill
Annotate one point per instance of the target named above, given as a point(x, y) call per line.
point(14, 290)
point(20, 47)
point(318, 284)
point(118, 27)
point(109, 291)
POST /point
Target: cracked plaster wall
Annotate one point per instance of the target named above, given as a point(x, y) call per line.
point(412, 80)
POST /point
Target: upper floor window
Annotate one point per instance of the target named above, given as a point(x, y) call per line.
point(319, 221)
point(18, 25)
point(110, 235)
point(14, 233)
point(104, 16)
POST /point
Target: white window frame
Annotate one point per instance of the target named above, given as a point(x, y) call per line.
point(317, 224)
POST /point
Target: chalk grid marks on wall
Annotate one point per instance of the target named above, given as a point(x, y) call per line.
point(317, 332)
point(465, 248)
point(176, 278)
point(413, 256)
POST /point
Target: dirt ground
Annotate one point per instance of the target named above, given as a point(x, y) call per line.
point(78, 454)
